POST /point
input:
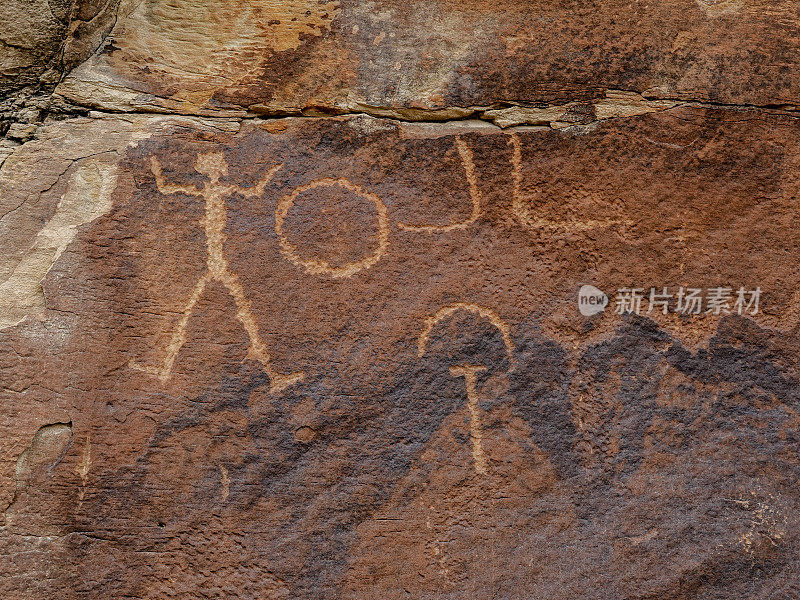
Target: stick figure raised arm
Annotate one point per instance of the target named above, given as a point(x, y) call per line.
point(170, 188)
point(258, 189)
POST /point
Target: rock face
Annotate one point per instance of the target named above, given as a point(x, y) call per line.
point(388, 300)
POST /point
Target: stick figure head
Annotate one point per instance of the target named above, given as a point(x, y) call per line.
point(212, 165)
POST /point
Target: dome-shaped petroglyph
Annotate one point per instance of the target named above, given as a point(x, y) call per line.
point(470, 371)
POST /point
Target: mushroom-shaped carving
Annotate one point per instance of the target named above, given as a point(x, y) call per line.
point(469, 371)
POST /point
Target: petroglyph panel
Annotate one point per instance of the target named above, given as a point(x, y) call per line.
point(343, 357)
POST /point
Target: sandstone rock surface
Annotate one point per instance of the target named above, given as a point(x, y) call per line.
point(289, 301)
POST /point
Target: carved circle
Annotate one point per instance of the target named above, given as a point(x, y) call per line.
point(322, 267)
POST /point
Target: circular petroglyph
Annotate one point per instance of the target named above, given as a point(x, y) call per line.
point(319, 266)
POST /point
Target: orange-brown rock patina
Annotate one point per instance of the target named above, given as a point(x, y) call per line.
point(279, 56)
point(289, 300)
point(342, 358)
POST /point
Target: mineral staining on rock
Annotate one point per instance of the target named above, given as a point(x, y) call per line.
point(284, 56)
point(88, 196)
point(263, 344)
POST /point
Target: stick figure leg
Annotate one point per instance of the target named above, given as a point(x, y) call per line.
point(258, 349)
point(178, 336)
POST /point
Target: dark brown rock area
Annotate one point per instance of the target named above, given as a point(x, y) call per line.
point(290, 300)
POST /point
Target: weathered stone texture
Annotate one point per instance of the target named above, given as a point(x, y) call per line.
point(341, 55)
point(628, 457)
point(339, 356)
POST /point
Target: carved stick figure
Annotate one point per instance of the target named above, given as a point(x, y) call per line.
point(469, 371)
point(213, 166)
point(474, 193)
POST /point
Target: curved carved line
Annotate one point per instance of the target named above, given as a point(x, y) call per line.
point(474, 193)
point(486, 313)
point(321, 267)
